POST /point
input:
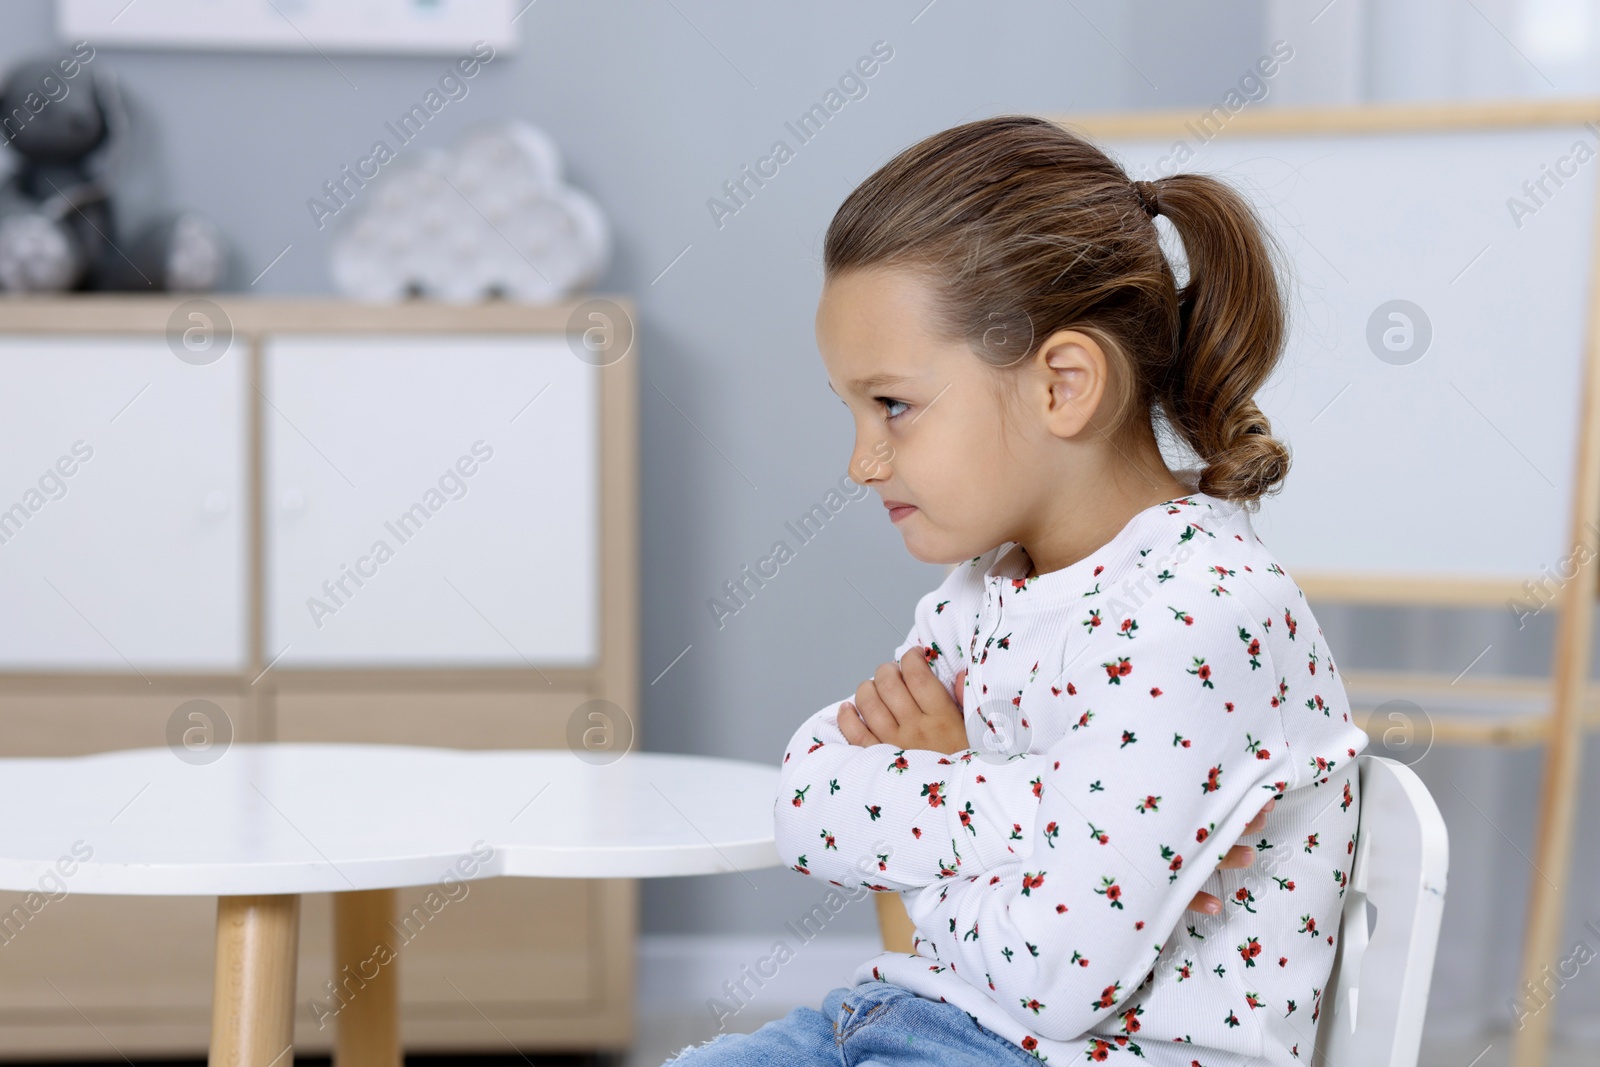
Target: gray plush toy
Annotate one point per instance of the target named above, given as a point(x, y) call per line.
point(58, 230)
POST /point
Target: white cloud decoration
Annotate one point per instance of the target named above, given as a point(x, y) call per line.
point(489, 217)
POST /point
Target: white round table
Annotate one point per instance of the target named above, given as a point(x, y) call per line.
point(266, 822)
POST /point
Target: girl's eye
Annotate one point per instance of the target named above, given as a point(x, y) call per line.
point(888, 401)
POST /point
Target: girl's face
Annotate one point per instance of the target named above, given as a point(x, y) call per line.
point(928, 422)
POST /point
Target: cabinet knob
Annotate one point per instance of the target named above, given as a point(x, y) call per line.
point(216, 502)
point(292, 500)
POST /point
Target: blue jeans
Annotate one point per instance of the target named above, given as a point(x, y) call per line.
point(872, 1023)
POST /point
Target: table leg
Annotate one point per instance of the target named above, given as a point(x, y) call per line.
point(895, 928)
point(366, 970)
point(252, 998)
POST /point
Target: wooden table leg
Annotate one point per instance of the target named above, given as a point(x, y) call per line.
point(252, 998)
point(895, 927)
point(366, 972)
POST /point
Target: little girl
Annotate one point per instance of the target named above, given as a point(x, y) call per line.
point(1133, 674)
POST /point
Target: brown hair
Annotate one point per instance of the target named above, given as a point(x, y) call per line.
point(1023, 228)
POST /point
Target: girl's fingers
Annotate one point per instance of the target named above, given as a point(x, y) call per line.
point(873, 708)
point(893, 692)
point(961, 689)
point(890, 690)
point(1205, 902)
point(925, 688)
point(1238, 856)
point(854, 730)
point(1259, 823)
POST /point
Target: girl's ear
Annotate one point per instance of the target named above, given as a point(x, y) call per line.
point(1071, 372)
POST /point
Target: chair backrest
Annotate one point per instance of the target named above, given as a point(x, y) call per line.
point(1373, 1006)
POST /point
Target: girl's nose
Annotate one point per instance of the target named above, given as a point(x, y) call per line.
point(870, 463)
point(870, 471)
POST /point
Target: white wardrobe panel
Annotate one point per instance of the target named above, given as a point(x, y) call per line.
point(123, 510)
point(430, 501)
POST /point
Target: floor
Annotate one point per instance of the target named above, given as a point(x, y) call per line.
point(1495, 1051)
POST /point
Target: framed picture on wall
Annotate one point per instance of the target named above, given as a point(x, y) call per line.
point(378, 26)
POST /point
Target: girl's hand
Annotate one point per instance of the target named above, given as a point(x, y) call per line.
point(905, 705)
point(1240, 855)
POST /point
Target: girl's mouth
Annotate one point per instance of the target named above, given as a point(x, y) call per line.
point(899, 511)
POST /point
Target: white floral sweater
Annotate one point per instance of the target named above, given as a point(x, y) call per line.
point(1128, 715)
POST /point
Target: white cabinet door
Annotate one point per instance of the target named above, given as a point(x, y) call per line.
point(122, 506)
point(430, 501)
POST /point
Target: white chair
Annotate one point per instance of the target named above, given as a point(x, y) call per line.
point(1373, 1006)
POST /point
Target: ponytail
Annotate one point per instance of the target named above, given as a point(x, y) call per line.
point(1230, 337)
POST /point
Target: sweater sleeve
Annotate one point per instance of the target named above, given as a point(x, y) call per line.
point(889, 818)
point(1183, 746)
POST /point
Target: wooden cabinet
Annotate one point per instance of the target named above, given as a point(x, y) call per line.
point(409, 524)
